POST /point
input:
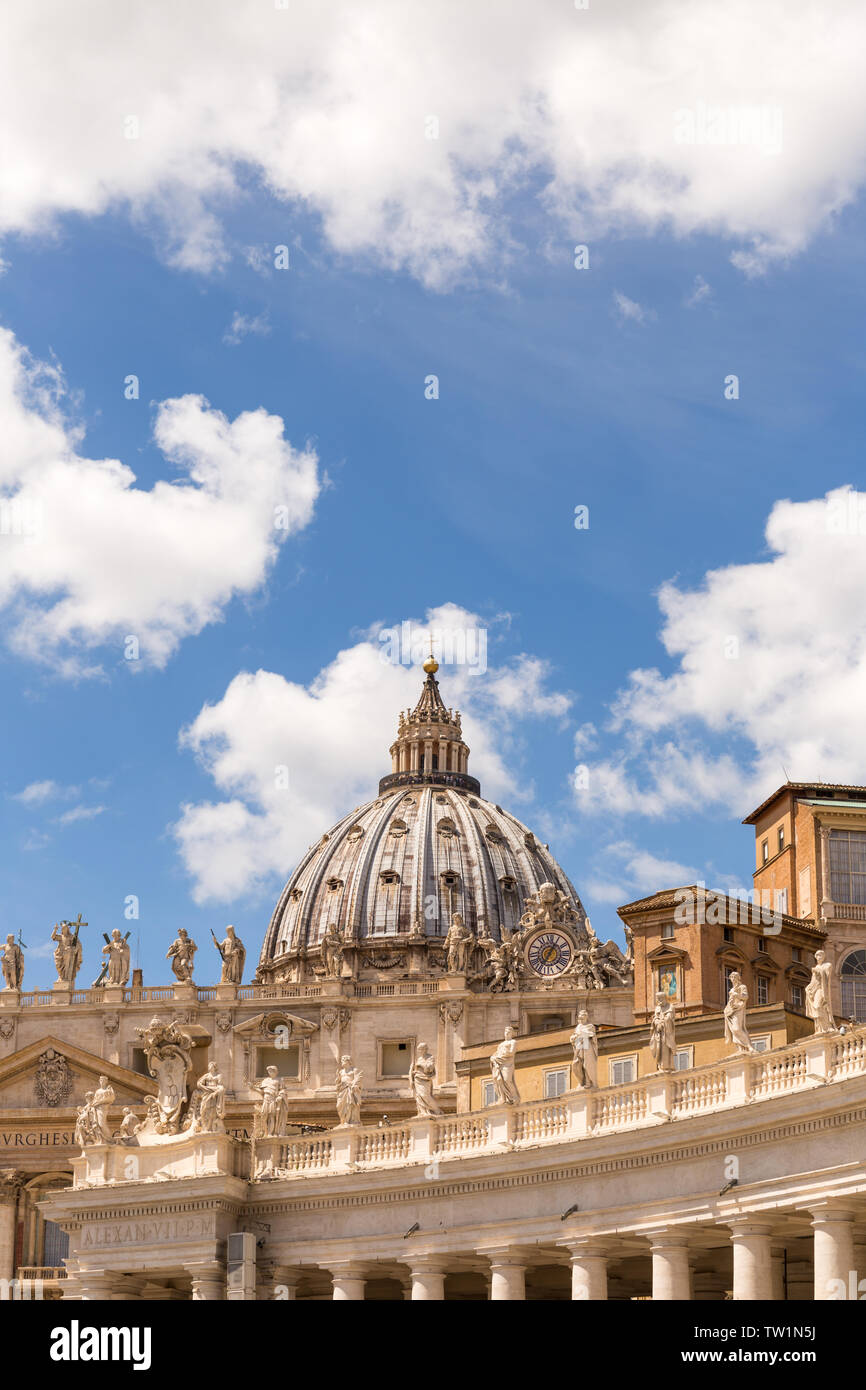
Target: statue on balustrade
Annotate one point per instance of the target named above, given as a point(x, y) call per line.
point(67, 952)
point(584, 1043)
point(86, 1130)
point(168, 1054)
point(502, 1070)
point(421, 1077)
point(457, 945)
point(332, 952)
point(103, 1097)
point(272, 1113)
point(233, 954)
point(12, 963)
point(207, 1104)
point(662, 1040)
point(818, 995)
point(348, 1093)
point(117, 950)
point(181, 953)
point(735, 1015)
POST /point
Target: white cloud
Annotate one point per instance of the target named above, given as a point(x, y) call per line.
point(332, 737)
point(769, 678)
point(629, 308)
point(241, 327)
point(700, 291)
point(78, 813)
point(36, 793)
point(631, 872)
point(88, 558)
point(332, 107)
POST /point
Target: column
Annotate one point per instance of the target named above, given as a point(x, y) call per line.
point(428, 1278)
point(507, 1274)
point(284, 1286)
point(349, 1281)
point(672, 1277)
point(98, 1285)
point(834, 1252)
point(208, 1280)
point(778, 1292)
point(588, 1260)
point(753, 1260)
point(10, 1186)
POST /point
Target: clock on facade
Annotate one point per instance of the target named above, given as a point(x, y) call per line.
point(549, 953)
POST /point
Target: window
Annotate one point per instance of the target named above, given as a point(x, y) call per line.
point(555, 1083)
point(667, 930)
point(394, 1059)
point(545, 1023)
point(56, 1246)
point(489, 1093)
point(781, 900)
point(761, 1044)
point(853, 974)
point(762, 991)
point(796, 953)
point(797, 997)
point(622, 1070)
point(728, 971)
point(287, 1060)
point(781, 837)
point(729, 933)
point(848, 866)
point(139, 1061)
point(765, 851)
point(683, 1059)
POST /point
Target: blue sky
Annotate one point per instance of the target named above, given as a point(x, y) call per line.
point(557, 387)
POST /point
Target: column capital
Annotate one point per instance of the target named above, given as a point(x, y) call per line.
point(11, 1183)
point(428, 1264)
point(831, 1209)
point(348, 1269)
point(580, 1247)
point(503, 1255)
point(742, 1226)
point(668, 1238)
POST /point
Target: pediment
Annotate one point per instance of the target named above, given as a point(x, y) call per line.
point(667, 952)
point(52, 1076)
point(263, 1024)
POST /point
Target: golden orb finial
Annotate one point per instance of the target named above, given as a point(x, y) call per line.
point(431, 665)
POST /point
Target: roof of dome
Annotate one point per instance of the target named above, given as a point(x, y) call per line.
point(428, 846)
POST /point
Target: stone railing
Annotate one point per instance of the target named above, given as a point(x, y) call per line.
point(43, 1274)
point(652, 1100)
point(164, 994)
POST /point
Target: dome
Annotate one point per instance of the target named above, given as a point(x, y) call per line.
point(401, 865)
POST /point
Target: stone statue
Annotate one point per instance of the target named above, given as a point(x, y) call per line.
point(662, 1040)
point(629, 945)
point(67, 953)
point(497, 961)
point(421, 1076)
point(233, 954)
point(12, 963)
point(103, 1097)
point(818, 995)
point(207, 1104)
point(585, 1060)
point(549, 907)
point(332, 952)
point(180, 953)
point(167, 1052)
point(271, 1114)
point(735, 1015)
point(457, 944)
point(86, 1131)
point(129, 1126)
point(117, 950)
point(502, 1070)
point(348, 1092)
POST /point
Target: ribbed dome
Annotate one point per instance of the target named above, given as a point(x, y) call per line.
point(407, 861)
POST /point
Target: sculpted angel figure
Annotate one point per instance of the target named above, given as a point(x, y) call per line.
point(735, 1015)
point(12, 963)
point(67, 953)
point(502, 1070)
point(818, 995)
point(117, 951)
point(662, 1040)
point(498, 961)
point(272, 1112)
point(181, 953)
point(348, 1092)
point(421, 1076)
point(585, 1048)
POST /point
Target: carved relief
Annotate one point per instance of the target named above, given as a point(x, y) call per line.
point(111, 1023)
point(53, 1079)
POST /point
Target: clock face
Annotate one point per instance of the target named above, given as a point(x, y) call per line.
point(549, 953)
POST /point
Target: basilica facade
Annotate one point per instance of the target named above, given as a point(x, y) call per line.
point(440, 1083)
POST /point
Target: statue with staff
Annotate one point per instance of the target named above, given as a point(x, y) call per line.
point(233, 954)
point(68, 951)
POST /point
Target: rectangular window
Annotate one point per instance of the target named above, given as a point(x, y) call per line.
point(781, 837)
point(489, 1092)
point(765, 851)
point(805, 881)
point(781, 900)
point(683, 1059)
point(728, 972)
point(762, 992)
point(729, 933)
point(848, 866)
point(667, 930)
point(622, 1070)
point(797, 997)
point(394, 1059)
point(555, 1083)
point(287, 1060)
point(761, 1044)
point(796, 953)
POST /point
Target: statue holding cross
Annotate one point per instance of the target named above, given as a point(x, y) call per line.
point(68, 952)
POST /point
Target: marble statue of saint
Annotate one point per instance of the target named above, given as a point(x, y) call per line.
point(181, 953)
point(117, 951)
point(457, 944)
point(585, 1048)
point(662, 1040)
point(233, 954)
point(12, 963)
point(348, 1092)
point(502, 1070)
point(818, 995)
point(85, 1123)
point(735, 1015)
point(332, 952)
point(129, 1126)
point(103, 1097)
point(272, 1113)
point(67, 953)
point(629, 944)
point(421, 1076)
point(207, 1104)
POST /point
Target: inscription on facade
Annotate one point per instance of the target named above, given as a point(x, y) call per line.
point(35, 1139)
point(147, 1232)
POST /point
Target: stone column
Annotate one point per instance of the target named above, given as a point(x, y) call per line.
point(208, 1280)
point(834, 1252)
point(349, 1281)
point(10, 1186)
point(428, 1278)
point(588, 1260)
point(672, 1276)
point(285, 1283)
point(98, 1285)
point(778, 1291)
point(507, 1274)
point(753, 1261)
